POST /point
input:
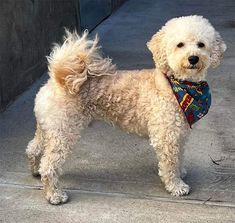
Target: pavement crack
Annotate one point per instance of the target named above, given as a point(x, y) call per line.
point(141, 196)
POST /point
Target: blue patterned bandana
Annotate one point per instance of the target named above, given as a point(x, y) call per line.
point(194, 98)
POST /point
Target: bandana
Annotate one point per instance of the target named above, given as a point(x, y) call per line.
point(194, 98)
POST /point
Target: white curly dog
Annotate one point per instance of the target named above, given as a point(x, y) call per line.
point(84, 86)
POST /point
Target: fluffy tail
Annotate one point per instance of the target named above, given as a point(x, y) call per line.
point(71, 63)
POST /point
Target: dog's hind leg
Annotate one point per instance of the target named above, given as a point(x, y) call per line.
point(34, 151)
point(59, 144)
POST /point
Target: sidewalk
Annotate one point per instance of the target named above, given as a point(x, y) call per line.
point(112, 176)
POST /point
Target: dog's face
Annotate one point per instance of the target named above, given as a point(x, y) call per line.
point(187, 46)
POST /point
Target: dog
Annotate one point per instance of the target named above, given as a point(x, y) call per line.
point(84, 86)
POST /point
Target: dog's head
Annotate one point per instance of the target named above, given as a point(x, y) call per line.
point(187, 46)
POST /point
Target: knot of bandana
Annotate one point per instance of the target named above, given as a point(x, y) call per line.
point(194, 98)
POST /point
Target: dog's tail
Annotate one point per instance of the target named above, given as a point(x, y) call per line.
point(71, 63)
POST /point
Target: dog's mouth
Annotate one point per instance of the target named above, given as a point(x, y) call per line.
point(192, 67)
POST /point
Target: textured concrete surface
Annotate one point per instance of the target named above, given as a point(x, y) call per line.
point(111, 176)
point(26, 206)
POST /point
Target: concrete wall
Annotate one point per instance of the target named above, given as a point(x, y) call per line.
point(27, 30)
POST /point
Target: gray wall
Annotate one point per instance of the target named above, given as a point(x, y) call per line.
point(27, 30)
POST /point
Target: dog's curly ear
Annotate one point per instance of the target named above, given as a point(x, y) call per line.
point(157, 45)
point(218, 49)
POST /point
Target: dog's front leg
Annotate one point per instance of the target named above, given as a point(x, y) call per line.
point(167, 144)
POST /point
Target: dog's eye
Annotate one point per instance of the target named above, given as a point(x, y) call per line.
point(179, 45)
point(200, 45)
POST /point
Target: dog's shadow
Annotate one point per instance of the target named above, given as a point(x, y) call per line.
point(110, 159)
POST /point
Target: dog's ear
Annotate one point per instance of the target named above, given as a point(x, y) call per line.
point(218, 49)
point(157, 45)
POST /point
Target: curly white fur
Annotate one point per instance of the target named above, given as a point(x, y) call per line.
point(84, 86)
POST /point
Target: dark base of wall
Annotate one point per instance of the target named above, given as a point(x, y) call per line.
point(93, 12)
point(117, 3)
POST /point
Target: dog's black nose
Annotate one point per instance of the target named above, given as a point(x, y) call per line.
point(193, 59)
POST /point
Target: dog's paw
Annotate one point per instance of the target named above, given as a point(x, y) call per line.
point(57, 197)
point(178, 188)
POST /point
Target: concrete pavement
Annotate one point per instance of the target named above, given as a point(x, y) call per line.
point(111, 176)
